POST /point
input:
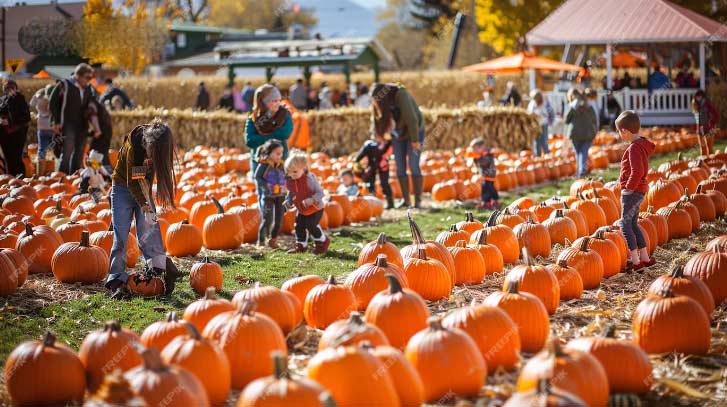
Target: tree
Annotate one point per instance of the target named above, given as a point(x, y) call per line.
point(275, 15)
point(504, 23)
point(123, 37)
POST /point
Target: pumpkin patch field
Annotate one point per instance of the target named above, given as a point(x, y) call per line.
point(441, 306)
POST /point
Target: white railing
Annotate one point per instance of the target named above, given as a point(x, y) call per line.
point(660, 107)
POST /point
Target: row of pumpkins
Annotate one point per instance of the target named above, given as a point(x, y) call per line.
point(378, 334)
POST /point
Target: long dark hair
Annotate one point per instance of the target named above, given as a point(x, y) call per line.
point(158, 141)
point(382, 100)
point(695, 103)
point(266, 149)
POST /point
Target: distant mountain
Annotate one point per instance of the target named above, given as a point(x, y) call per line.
point(342, 18)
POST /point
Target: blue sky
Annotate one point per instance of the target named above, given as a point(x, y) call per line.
point(371, 3)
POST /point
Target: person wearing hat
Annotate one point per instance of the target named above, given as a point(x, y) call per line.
point(269, 119)
point(93, 177)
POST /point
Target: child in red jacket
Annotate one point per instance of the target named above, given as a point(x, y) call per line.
point(634, 167)
point(306, 195)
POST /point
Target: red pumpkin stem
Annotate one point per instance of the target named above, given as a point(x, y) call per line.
point(394, 284)
point(381, 261)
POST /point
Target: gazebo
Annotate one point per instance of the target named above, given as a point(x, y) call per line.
point(646, 24)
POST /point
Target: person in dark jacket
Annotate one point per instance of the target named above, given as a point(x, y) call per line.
point(101, 142)
point(111, 91)
point(14, 120)
point(68, 106)
point(248, 96)
point(485, 161)
point(202, 102)
point(512, 96)
point(395, 114)
point(706, 117)
point(227, 101)
point(580, 128)
point(634, 186)
point(376, 151)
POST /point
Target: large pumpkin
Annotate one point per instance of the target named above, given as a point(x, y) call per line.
point(534, 237)
point(183, 239)
point(160, 333)
point(204, 359)
point(300, 285)
point(247, 338)
point(571, 370)
point(80, 262)
point(222, 231)
point(493, 331)
point(106, 350)
point(427, 276)
point(272, 302)
point(537, 280)
point(562, 230)
point(594, 215)
point(406, 379)
point(200, 312)
point(501, 236)
point(711, 267)
point(448, 361)
point(398, 312)
point(369, 279)
point(684, 285)
point(37, 244)
point(44, 373)
point(569, 280)
point(327, 303)
point(281, 389)
point(606, 249)
point(352, 331)
point(658, 316)
point(433, 250)
point(587, 262)
point(371, 251)
point(528, 313)
point(678, 220)
point(627, 366)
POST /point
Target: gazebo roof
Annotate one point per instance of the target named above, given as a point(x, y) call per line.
point(624, 22)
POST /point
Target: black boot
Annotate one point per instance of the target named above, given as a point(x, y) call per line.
point(418, 185)
point(170, 276)
point(389, 202)
point(404, 184)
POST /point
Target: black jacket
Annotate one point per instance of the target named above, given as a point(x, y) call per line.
point(68, 105)
point(227, 103)
point(15, 109)
point(203, 99)
point(375, 155)
point(112, 91)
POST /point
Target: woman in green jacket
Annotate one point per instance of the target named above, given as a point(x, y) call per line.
point(396, 116)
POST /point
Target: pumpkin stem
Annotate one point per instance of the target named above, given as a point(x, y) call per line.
point(677, 271)
point(381, 261)
point(559, 213)
point(526, 257)
point(563, 263)
point(699, 188)
point(584, 244)
point(469, 217)
point(152, 359)
point(209, 294)
point(28, 228)
point(453, 228)
point(483, 237)
point(332, 280)
point(394, 284)
point(609, 331)
point(650, 209)
point(492, 220)
point(111, 227)
point(422, 253)
point(112, 326)
point(247, 307)
point(512, 286)
point(192, 331)
point(58, 205)
point(416, 233)
point(381, 240)
point(185, 222)
point(172, 316)
point(218, 205)
point(600, 234)
point(206, 259)
point(49, 339)
point(355, 318)
point(595, 193)
point(435, 324)
point(544, 387)
point(84, 238)
point(280, 365)
point(666, 291)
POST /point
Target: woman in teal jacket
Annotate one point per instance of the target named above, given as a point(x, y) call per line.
point(268, 120)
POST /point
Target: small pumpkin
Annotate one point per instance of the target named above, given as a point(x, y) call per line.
point(205, 274)
point(606, 249)
point(684, 285)
point(200, 312)
point(272, 302)
point(369, 279)
point(160, 333)
point(588, 263)
point(300, 285)
point(710, 266)
point(537, 280)
point(327, 303)
point(501, 236)
point(470, 224)
point(452, 236)
point(371, 251)
point(468, 262)
point(352, 331)
point(534, 237)
point(434, 250)
point(37, 244)
point(562, 230)
point(494, 262)
point(222, 231)
point(106, 350)
point(569, 281)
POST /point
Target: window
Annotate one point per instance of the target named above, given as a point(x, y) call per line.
point(181, 40)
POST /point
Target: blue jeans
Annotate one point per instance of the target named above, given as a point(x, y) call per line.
point(630, 204)
point(581, 148)
point(541, 143)
point(402, 150)
point(123, 208)
point(45, 137)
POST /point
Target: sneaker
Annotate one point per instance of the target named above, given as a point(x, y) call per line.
point(322, 247)
point(298, 248)
point(273, 243)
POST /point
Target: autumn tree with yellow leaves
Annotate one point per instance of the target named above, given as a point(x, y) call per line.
point(127, 37)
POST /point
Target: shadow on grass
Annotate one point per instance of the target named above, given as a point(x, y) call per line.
point(336, 254)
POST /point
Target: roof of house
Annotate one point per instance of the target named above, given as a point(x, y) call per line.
point(17, 16)
point(190, 27)
point(624, 22)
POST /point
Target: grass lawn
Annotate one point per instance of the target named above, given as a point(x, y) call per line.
point(72, 311)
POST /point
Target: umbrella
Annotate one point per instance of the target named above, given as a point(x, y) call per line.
point(625, 59)
point(41, 75)
point(519, 62)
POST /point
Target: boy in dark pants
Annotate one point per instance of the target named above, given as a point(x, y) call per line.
point(486, 163)
point(634, 168)
point(306, 195)
point(377, 151)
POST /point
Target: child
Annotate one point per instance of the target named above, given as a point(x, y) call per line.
point(634, 167)
point(147, 153)
point(486, 163)
point(377, 151)
point(306, 195)
point(348, 183)
point(93, 176)
point(45, 131)
point(706, 117)
point(270, 181)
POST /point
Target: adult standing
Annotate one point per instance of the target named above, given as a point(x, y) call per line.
point(227, 101)
point(512, 96)
point(202, 102)
point(101, 142)
point(540, 107)
point(248, 96)
point(268, 120)
point(14, 119)
point(68, 103)
point(580, 128)
point(658, 80)
point(111, 91)
point(395, 113)
point(297, 94)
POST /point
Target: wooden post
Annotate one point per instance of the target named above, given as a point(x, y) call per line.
point(230, 75)
point(376, 71)
point(307, 75)
point(609, 67)
point(702, 67)
point(268, 74)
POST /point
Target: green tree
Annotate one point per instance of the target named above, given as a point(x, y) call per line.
point(256, 14)
point(504, 23)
